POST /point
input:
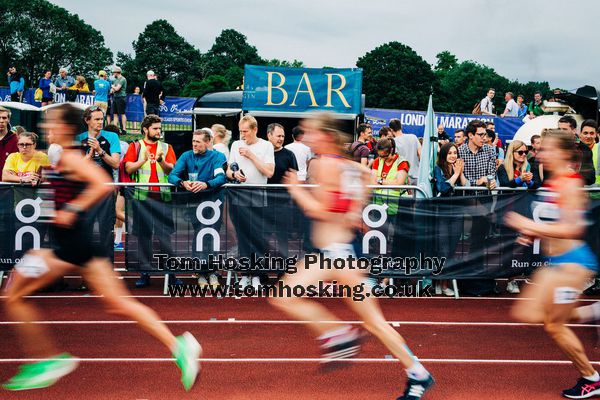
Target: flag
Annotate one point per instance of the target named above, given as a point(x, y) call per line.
point(428, 154)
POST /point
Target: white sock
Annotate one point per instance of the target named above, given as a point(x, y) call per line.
point(589, 313)
point(335, 332)
point(118, 235)
point(417, 371)
point(593, 378)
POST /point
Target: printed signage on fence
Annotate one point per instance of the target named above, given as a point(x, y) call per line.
point(170, 110)
point(247, 228)
point(302, 89)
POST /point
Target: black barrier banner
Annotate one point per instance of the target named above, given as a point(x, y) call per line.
point(261, 230)
point(25, 216)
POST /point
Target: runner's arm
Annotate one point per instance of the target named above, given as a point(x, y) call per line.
point(81, 169)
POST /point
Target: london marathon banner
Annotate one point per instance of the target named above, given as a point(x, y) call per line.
point(414, 121)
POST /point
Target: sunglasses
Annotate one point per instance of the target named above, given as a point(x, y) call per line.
point(522, 152)
point(25, 145)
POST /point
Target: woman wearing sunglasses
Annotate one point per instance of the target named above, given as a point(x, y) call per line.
point(24, 167)
point(515, 171)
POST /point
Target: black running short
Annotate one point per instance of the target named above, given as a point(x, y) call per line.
point(76, 244)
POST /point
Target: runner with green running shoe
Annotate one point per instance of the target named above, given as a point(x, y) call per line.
point(78, 184)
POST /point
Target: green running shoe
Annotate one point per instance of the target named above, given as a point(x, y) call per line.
point(186, 356)
point(42, 373)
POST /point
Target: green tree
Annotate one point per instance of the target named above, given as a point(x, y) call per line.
point(231, 49)
point(161, 49)
point(467, 83)
point(395, 76)
point(284, 63)
point(445, 61)
point(528, 90)
point(463, 84)
point(37, 35)
point(234, 77)
point(213, 83)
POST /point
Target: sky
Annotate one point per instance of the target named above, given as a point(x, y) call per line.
point(529, 40)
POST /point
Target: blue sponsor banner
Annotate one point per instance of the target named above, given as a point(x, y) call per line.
point(302, 89)
point(414, 121)
point(4, 94)
point(169, 111)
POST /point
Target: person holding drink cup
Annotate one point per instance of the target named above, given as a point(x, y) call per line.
point(480, 170)
point(480, 158)
point(204, 170)
point(516, 171)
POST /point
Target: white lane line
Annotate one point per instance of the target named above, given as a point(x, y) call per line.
point(234, 321)
point(311, 360)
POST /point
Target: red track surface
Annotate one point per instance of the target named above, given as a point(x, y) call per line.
point(225, 341)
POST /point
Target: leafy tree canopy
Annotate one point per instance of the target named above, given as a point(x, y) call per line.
point(38, 35)
point(161, 49)
point(395, 76)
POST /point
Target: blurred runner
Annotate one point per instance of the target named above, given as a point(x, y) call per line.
point(78, 184)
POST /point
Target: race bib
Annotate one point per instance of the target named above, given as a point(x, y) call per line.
point(565, 295)
point(32, 266)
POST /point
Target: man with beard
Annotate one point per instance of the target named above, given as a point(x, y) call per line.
point(150, 160)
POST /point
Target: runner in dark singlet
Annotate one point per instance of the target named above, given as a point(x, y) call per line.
point(335, 207)
point(78, 185)
point(555, 290)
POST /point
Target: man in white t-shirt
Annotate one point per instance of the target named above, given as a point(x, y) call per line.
point(253, 155)
point(254, 161)
point(302, 152)
point(408, 147)
point(512, 108)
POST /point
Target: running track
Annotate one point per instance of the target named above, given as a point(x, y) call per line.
point(252, 351)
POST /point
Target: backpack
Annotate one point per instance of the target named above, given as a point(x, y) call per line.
point(358, 146)
point(124, 177)
point(39, 94)
point(477, 108)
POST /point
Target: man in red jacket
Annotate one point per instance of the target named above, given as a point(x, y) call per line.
point(8, 140)
point(8, 145)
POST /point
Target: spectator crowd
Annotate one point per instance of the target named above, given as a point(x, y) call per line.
point(110, 93)
point(474, 157)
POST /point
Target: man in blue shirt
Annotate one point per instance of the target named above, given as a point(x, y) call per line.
point(63, 82)
point(104, 149)
point(101, 90)
point(204, 165)
point(200, 170)
point(522, 106)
